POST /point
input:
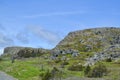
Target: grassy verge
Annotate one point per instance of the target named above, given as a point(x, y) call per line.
point(31, 68)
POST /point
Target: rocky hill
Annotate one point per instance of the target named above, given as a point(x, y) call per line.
point(103, 43)
point(95, 39)
point(24, 51)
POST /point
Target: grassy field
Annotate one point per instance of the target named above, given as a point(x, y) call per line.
point(31, 68)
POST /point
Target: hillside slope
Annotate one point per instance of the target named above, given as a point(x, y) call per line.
point(91, 39)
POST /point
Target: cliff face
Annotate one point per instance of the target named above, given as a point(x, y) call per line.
point(91, 39)
point(12, 50)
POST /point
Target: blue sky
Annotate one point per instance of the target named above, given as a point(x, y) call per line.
point(43, 23)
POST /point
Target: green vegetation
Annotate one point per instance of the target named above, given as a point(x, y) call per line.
point(108, 60)
point(75, 67)
point(38, 68)
point(87, 70)
point(98, 71)
point(20, 69)
point(1, 59)
point(46, 76)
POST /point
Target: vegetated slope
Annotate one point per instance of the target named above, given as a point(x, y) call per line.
point(96, 39)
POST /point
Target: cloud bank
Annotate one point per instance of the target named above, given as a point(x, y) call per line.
point(50, 37)
point(28, 36)
point(53, 14)
point(22, 37)
point(5, 40)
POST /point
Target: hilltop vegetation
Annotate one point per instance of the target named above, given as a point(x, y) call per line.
point(91, 39)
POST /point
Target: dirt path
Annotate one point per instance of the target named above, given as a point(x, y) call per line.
point(76, 78)
point(4, 76)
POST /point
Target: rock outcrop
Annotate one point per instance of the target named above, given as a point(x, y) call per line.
point(12, 50)
point(24, 51)
point(31, 52)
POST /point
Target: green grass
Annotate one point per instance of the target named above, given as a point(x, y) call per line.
point(30, 68)
point(20, 69)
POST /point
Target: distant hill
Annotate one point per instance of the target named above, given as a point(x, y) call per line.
point(24, 51)
point(12, 50)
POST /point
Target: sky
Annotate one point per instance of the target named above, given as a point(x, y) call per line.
point(43, 23)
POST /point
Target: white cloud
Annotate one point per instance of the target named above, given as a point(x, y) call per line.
point(44, 34)
point(53, 14)
point(1, 51)
point(22, 37)
point(5, 41)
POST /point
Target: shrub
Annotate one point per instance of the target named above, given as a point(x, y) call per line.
point(0, 59)
point(108, 60)
point(46, 76)
point(56, 74)
point(87, 70)
point(65, 63)
point(98, 71)
point(75, 67)
point(58, 60)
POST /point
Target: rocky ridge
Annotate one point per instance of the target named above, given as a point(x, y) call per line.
point(103, 42)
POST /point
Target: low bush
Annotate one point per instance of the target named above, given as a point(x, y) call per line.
point(87, 70)
point(108, 60)
point(98, 71)
point(49, 75)
point(1, 59)
point(58, 60)
point(46, 76)
point(65, 63)
point(75, 67)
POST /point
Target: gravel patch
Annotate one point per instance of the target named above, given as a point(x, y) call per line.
point(4, 76)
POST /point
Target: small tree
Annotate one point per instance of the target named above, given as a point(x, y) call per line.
point(87, 70)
